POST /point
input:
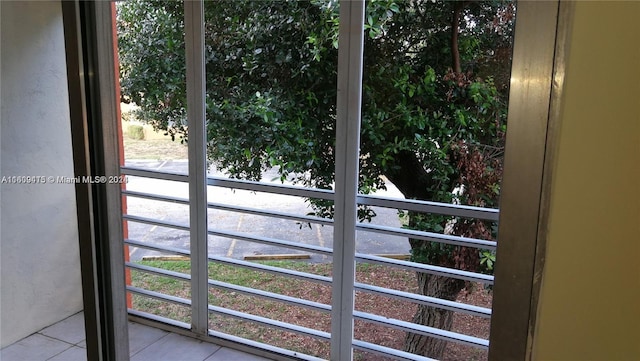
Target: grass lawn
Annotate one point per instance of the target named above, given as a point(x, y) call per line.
point(155, 145)
point(365, 273)
point(156, 149)
point(243, 303)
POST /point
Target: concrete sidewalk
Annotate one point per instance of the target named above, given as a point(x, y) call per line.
point(270, 227)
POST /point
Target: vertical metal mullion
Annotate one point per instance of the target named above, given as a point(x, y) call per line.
point(94, 329)
point(88, 47)
point(536, 80)
point(194, 47)
point(111, 220)
point(351, 38)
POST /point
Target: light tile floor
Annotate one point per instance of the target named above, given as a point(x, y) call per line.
point(64, 341)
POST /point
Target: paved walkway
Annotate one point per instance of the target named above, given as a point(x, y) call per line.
point(367, 242)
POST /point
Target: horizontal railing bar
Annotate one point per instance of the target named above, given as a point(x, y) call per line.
point(231, 208)
point(138, 172)
point(428, 236)
point(426, 268)
point(271, 188)
point(156, 197)
point(425, 300)
point(152, 317)
point(263, 346)
point(158, 248)
point(271, 241)
point(387, 351)
point(271, 323)
point(457, 210)
point(160, 296)
point(232, 287)
point(275, 270)
point(433, 237)
point(158, 271)
point(491, 214)
point(271, 296)
point(155, 222)
point(232, 262)
point(276, 214)
point(422, 330)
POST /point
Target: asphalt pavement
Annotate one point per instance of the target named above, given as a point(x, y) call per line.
point(366, 242)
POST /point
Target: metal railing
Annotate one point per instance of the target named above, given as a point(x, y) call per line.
point(282, 189)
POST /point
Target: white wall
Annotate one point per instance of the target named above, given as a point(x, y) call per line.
point(40, 267)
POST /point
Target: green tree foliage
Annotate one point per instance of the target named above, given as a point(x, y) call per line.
point(434, 102)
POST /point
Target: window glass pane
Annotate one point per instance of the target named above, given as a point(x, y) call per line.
point(271, 92)
point(435, 79)
point(151, 57)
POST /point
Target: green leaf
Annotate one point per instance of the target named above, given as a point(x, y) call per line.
point(271, 87)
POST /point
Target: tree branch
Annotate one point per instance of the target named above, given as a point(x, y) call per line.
point(455, 32)
point(410, 177)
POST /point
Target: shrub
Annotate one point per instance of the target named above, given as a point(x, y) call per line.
point(135, 131)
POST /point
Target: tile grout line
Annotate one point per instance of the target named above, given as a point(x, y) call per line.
point(149, 345)
point(59, 340)
point(56, 339)
point(213, 353)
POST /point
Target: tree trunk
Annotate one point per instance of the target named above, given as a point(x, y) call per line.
point(434, 286)
point(414, 182)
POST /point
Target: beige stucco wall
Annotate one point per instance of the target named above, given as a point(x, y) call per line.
point(590, 298)
point(40, 268)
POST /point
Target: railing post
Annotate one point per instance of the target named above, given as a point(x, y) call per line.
point(346, 176)
point(194, 47)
